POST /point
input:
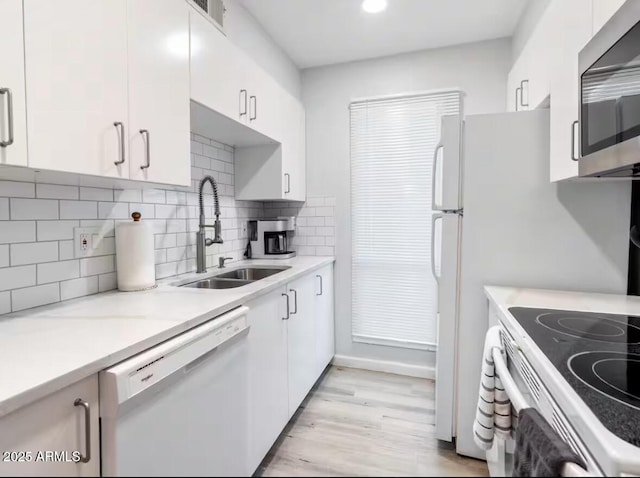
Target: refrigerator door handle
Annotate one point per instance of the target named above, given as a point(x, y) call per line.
point(434, 220)
point(434, 177)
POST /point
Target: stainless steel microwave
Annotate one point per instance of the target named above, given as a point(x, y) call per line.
point(609, 124)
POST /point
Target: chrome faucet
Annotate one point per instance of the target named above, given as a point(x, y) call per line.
point(222, 260)
point(201, 240)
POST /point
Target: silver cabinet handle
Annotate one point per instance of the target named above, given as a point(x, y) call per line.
point(573, 141)
point(518, 99)
point(255, 108)
point(522, 103)
point(434, 219)
point(7, 91)
point(288, 309)
point(295, 301)
point(288, 176)
point(145, 133)
point(434, 206)
point(321, 286)
point(87, 428)
point(120, 127)
point(243, 113)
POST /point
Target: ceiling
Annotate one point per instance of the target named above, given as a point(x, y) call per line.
point(321, 32)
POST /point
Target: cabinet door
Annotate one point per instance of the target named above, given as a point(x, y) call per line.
point(265, 103)
point(13, 123)
point(54, 424)
point(268, 395)
point(159, 114)
point(574, 30)
point(295, 154)
point(76, 75)
point(217, 71)
point(294, 150)
point(514, 85)
point(325, 337)
point(301, 340)
point(603, 10)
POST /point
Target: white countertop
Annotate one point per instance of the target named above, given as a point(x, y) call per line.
point(553, 299)
point(613, 454)
point(45, 349)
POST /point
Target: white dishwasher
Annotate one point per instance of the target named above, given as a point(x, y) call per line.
point(180, 408)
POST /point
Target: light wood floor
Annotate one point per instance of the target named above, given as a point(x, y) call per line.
point(361, 423)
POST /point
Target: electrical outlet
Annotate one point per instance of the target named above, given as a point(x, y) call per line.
point(85, 240)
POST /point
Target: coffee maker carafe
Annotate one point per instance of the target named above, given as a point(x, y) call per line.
point(269, 238)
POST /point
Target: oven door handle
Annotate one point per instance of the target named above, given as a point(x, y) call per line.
point(515, 396)
point(519, 402)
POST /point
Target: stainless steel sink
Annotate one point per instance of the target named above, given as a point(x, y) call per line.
point(215, 283)
point(250, 273)
point(235, 278)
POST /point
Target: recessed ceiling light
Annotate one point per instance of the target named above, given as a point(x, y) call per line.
point(374, 6)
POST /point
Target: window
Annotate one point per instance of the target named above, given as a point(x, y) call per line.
point(394, 295)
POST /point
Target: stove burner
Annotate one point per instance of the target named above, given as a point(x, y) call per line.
point(613, 374)
point(592, 327)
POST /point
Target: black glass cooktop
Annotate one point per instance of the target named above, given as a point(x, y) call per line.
point(599, 355)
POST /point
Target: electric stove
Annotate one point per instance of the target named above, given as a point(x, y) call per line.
point(598, 355)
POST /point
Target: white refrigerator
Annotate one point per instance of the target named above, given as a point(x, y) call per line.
point(499, 221)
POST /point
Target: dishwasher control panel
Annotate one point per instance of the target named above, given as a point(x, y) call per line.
point(180, 354)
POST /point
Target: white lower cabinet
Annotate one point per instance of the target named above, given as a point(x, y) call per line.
point(301, 340)
point(268, 397)
point(291, 341)
point(42, 438)
point(324, 313)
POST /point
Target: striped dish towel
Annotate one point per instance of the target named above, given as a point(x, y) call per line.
point(493, 415)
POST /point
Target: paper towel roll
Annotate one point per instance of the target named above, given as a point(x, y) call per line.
point(135, 255)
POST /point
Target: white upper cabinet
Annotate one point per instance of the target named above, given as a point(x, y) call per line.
point(218, 71)
point(76, 79)
point(276, 171)
point(575, 31)
point(294, 151)
point(13, 122)
point(548, 67)
point(603, 10)
point(529, 79)
point(159, 85)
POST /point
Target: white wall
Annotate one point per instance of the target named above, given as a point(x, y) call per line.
point(245, 32)
point(526, 25)
point(480, 69)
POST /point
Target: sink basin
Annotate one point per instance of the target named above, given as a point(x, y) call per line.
point(215, 283)
point(251, 274)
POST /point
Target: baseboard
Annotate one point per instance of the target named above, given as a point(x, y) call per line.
point(398, 368)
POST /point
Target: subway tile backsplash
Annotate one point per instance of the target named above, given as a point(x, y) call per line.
point(37, 261)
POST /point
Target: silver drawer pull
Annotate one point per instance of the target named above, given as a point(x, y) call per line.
point(120, 127)
point(7, 91)
point(87, 428)
point(295, 301)
point(288, 309)
point(145, 134)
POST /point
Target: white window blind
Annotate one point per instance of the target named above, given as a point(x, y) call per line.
point(394, 295)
